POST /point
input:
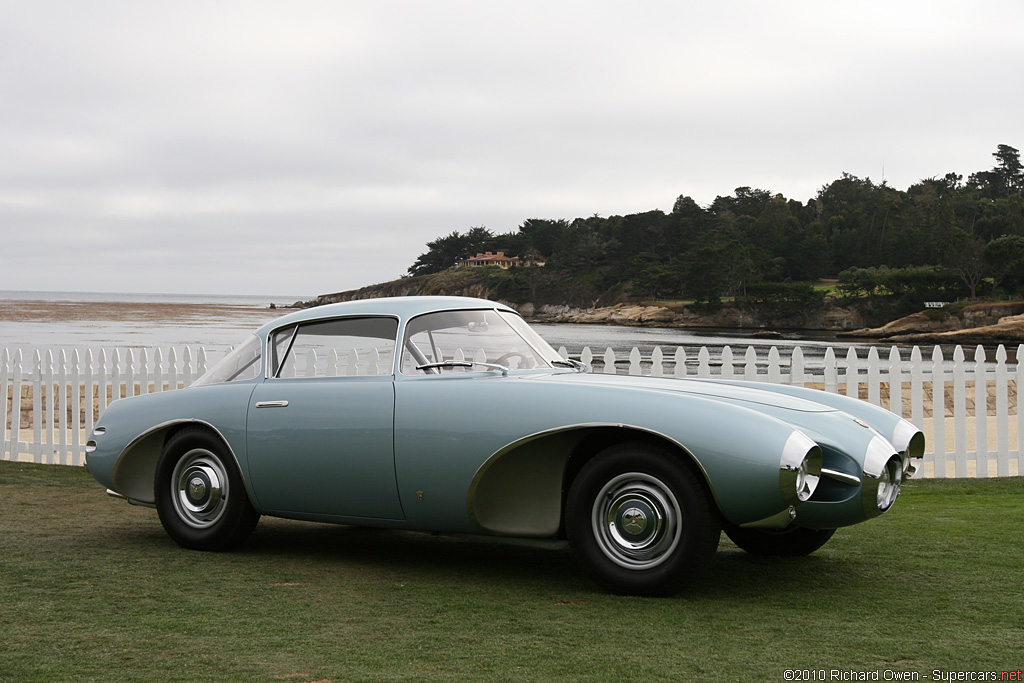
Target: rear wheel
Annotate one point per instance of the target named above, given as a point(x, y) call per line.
point(200, 496)
point(640, 521)
point(792, 541)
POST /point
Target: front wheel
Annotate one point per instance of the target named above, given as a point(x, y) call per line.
point(200, 496)
point(640, 521)
point(793, 541)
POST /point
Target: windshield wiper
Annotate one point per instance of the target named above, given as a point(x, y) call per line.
point(463, 364)
point(570, 363)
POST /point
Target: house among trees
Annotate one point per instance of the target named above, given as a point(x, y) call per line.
point(505, 262)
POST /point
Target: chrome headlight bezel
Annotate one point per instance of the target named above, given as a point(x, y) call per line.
point(910, 443)
point(883, 476)
point(889, 484)
point(799, 468)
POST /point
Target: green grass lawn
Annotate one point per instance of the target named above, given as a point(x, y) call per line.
point(92, 589)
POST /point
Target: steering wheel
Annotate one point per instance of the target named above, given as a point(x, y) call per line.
point(512, 354)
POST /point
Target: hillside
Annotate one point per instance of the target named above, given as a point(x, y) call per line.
point(981, 323)
point(616, 307)
point(530, 289)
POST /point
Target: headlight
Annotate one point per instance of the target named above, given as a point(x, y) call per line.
point(883, 474)
point(799, 468)
point(909, 442)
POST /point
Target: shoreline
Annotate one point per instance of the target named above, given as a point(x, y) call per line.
point(984, 324)
point(72, 315)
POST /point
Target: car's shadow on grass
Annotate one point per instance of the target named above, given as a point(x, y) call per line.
point(416, 556)
point(734, 572)
point(406, 554)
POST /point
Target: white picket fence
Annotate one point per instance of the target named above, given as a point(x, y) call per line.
point(69, 389)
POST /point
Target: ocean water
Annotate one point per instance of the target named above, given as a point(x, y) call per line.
point(599, 337)
point(242, 300)
point(63, 320)
point(59, 320)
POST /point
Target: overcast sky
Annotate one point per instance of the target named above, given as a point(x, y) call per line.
point(311, 147)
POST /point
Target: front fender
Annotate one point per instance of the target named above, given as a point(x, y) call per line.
point(444, 471)
point(124, 448)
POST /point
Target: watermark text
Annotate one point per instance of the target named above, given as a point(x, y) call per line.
point(817, 675)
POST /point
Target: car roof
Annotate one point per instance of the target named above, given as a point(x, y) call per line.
point(403, 307)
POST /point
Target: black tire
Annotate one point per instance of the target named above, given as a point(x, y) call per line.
point(793, 541)
point(640, 521)
point(200, 496)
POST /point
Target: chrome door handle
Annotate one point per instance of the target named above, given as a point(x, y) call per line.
point(271, 404)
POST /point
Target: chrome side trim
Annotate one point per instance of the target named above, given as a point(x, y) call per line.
point(462, 364)
point(850, 479)
point(131, 501)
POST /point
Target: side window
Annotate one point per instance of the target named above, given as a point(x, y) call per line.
point(335, 348)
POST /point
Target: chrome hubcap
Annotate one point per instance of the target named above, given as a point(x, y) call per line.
point(199, 488)
point(637, 521)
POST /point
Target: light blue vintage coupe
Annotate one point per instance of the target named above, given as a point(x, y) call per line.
point(450, 414)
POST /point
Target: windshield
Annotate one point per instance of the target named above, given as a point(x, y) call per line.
point(484, 336)
point(531, 337)
point(242, 363)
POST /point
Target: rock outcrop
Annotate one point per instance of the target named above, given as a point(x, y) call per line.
point(990, 323)
point(653, 315)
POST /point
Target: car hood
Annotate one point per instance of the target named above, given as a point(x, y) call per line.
point(706, 388)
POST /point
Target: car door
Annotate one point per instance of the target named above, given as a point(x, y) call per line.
point(320, 431)
point(457, 402)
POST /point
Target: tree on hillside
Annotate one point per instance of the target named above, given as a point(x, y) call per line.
point(685, 206)
point(445, 252)
point(931, 214)
point(1004, 258)
point(1005, 179)
point(1000, 217)
point(856, 216)
point(543, 235)
point(656, 277)
point(744, 202)
point(1008, 170)
point(967, 258)
point(705, 272)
